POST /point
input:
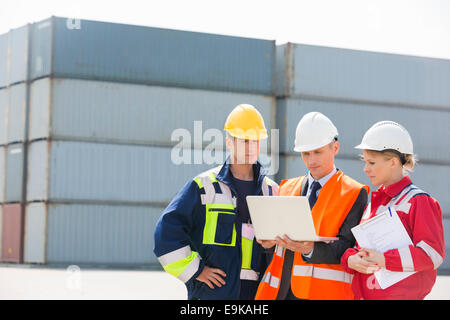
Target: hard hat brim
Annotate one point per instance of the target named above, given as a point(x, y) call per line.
point(252, 135)
point(311, 147)
point(363, 146)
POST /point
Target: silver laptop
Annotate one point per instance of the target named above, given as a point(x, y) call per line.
point(274, 216)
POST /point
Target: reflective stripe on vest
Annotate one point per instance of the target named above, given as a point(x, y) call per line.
point(225, 203)
point(273, 281)
point(322, 273)
point(247, 249)
point(279, 251)
point(268, 288)
point(248, 274)
point(269, 188)
point(400, 202)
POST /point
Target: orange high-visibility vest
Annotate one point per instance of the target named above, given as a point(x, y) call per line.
point(316, 281)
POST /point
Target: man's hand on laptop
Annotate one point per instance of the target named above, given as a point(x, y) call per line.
point(304, 247)
point(267, 244)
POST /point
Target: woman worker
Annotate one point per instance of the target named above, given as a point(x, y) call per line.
point(388, 155)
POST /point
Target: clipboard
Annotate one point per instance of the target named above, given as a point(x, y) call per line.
point(384, 232)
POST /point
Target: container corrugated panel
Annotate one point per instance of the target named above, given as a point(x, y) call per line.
point(3, 114)
point(14, 56)
point(363, 75)
point(11, 233)
point(82, 171)
point(14, 173)
point(18, 58)
point(4, 59)
point(353, 120)
point(129, 113)
point(127, 53)
point(90, 233)
point(426, 176)
point(2, 174)
point(35, 233)
point(16, 113)
point(281, 63)
point(41, 46)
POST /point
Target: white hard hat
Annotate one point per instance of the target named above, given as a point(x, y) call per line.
point(314, 131)
point(387, 135)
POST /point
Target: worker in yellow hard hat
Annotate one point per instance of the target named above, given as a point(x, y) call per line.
point(205, 237)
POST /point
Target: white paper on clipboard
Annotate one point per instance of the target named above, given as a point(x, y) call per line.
point(382, 233)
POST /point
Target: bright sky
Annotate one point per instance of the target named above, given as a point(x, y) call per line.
point(414, 27)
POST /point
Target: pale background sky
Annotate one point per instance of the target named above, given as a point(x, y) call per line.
point(414, 27)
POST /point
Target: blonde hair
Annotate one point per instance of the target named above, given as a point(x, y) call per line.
point(409, 160)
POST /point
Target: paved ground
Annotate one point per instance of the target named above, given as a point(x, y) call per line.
point(24, 282)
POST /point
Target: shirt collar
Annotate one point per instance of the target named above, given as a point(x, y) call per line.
point(323, 180)
point(225, 175)
point(396, 188)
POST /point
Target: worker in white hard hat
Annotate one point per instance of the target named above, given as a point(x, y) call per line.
point(312, 270)
point(388, 155)
point(205, 236)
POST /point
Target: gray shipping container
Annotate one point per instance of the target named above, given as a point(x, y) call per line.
point(428, 177)
point(130, 113)
point(3, 114)
point(4, 59)
point(2, 174)
point(90, 234)
point(126, 53)
point(334, 73)
point(16, 111)
point(14, 56)
point(82, 171)
point(429, 129)
point(14, 172)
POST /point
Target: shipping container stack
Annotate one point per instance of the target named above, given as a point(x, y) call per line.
point(13, 111)
point(92, 115)
point(356, 89)
point(90, 111)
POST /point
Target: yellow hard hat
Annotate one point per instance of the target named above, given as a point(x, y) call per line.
point(245, 122)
